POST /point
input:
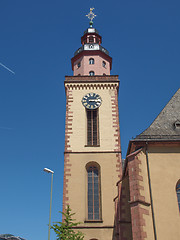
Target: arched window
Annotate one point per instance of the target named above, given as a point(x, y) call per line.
point(91, 73)
point(104, 64)
point(91, 61)
point(178, 193)
point(79, 64)
point(91, 39)
point(93, 174)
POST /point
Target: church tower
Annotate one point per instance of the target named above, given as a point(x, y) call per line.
point(92, 157)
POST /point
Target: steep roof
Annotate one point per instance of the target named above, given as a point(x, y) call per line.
point(167, 124)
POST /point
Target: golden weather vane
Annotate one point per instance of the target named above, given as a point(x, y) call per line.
point(91, 16)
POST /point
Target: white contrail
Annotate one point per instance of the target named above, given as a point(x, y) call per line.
point(7, 68)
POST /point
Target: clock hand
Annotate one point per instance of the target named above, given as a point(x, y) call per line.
point(94, 100)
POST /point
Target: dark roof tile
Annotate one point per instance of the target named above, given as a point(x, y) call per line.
point(167, 124)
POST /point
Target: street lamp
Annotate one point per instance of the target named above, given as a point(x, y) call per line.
point(50, 171)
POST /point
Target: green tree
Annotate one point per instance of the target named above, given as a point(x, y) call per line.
point(64, 230)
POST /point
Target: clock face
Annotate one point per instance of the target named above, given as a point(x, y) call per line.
point(91, 101)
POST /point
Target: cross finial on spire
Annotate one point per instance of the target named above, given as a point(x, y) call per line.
point(91, 16)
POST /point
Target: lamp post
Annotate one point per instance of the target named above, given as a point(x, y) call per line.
point(50, 171)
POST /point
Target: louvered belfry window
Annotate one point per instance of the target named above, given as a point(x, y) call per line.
point(92, 128)
point(93, 193)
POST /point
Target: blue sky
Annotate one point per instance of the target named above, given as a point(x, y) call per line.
point(38, 39)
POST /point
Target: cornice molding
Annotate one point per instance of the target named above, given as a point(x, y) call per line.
point(92, 85)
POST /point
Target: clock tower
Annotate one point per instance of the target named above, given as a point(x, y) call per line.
point(92, 157)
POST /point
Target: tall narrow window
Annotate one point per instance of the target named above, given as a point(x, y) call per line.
point(104, 64)
point(178, 193)
point(93, 193)
point(91, 61)
point(91, 39)
point(91, 73)
point(92, 128)
point(79, 64)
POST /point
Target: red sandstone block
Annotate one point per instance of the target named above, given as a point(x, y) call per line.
point(136, 168)
point(142, 198)
point(144, 211)
point(135, 188)
point(67, 170)
point(141, 187)
point(68, 164)
point(135, 229)
point(67, 138)
point(67, 155)
point(140, 178)
point(138, 161)
point(69, 123)
point(67, 161)
point(144, 235)
point(115, 123)
point(116, 135)
point(67, 174)
point(141, 222)
point(69, 119)
point(69, 128)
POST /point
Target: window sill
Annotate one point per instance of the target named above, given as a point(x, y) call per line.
point(93, 221)
point(92, 145)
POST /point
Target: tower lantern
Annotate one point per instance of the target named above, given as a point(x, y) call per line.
point(91, 58)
